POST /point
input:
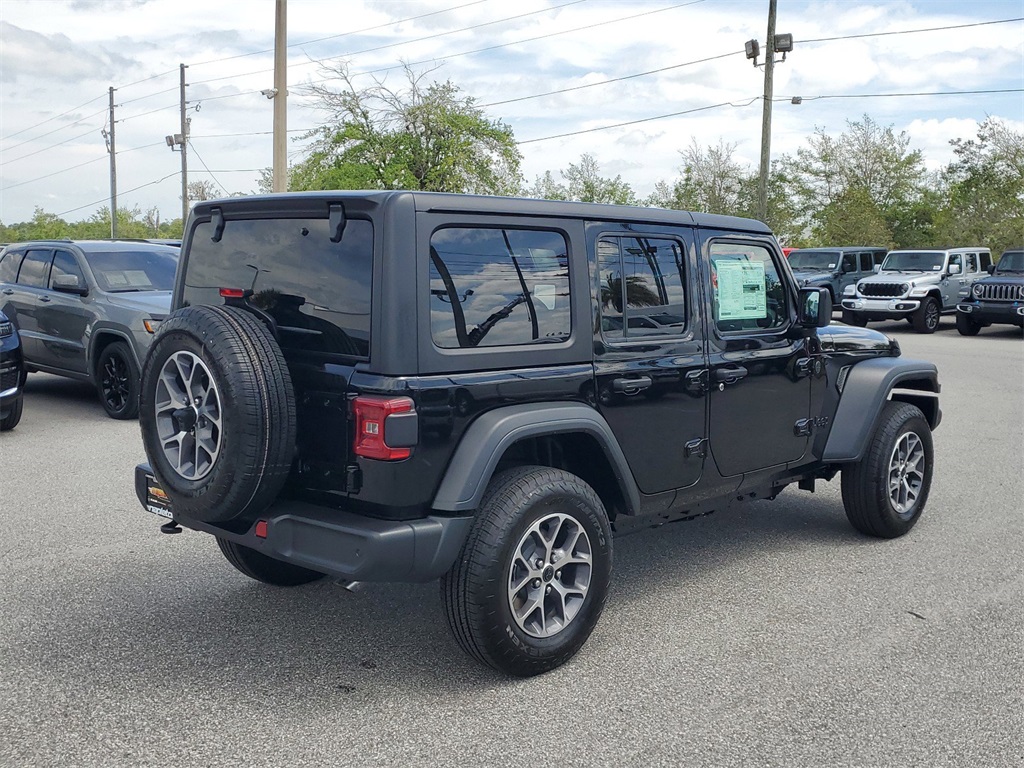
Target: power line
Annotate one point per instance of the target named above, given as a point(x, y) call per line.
point(55, 173)
point(55, 130)
point(897, 95)
point(52, 146)
point(909, 31)
point(203, 162)
point(49, 119)
point(613, 80)
point(133, 189)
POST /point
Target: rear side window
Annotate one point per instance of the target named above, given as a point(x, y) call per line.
point(317, 291)
point(495, 287)
point(986, 262)
point(9, 267)
point(35, 269)
point(746, 289)
point(866, 262)
point(641, 287)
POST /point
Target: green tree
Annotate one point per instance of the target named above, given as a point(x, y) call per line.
point(423, 137)
point(985, 199)
point(584, 184)
point(866, 162)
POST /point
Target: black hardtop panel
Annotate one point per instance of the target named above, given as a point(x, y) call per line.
point(295, 204)
point(439, 202)
point(316, 203)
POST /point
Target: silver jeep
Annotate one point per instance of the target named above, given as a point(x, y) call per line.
point(916, 285)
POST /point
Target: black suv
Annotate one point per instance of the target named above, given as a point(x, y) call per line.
point(88, 309)
point(995, 299)
point(398, 386)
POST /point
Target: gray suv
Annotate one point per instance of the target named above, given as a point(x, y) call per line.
point(88, 309)
point(834, 268)
point(916, 285)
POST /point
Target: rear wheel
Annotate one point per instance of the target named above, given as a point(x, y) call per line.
point(885, 492)
point(966, 325)
point(852, 318)
point(118, 379)
point(531, 581)
point(258, 566)
point(926, 318)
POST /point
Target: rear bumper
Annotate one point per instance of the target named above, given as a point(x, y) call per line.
point(341, 544)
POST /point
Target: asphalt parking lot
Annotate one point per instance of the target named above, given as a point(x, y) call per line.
point(771, 634)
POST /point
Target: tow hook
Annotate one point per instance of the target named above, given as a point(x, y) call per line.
point(171, 527)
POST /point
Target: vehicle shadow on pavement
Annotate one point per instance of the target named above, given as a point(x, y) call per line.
point(192, 623)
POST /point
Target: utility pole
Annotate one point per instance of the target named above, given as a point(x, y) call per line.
point(280, 174)
point(184, 153)
point(766, 116)
point(113, 169)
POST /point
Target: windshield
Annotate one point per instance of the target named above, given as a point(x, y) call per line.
point(127, 271)
point(913, 261)
point(1011, 261)
point(819, 260)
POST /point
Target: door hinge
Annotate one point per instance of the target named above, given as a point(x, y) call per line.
point(696, 447)
point(803, 427)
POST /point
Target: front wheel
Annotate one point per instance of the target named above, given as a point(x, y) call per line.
point(852, 318)
point(118, 379)
point(885, 492)
point(966, 325)
point(10, 421)
point(926, 318)
point(531, 581)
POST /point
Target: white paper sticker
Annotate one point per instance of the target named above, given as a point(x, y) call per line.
point(741, 290)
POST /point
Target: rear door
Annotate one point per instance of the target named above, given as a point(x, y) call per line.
point(760, 369)
point(26, 298)
point(650, 367)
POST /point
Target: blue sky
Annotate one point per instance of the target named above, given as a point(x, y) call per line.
point(59, 57)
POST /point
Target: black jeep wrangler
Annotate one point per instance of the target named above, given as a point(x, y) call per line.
point(399, 386)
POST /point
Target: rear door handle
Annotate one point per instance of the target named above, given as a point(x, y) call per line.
point(45, 299)
point(729, 375)
point(631, 386)
point(9, 291)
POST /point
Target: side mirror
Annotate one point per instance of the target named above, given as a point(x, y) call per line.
point(69, 284)
point(955, 269)
point(991, 269)
point(815, 307)
point(876, 268)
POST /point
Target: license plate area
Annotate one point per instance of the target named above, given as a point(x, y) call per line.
point(157, 501)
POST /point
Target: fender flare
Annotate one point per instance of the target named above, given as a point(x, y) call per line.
point(868, 386)
point(492, 433)
point(98, 332)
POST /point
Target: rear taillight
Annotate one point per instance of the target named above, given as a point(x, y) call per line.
point(385, 427)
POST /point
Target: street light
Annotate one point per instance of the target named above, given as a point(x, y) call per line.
point(782, 43)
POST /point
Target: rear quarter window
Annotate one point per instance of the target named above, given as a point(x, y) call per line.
point(318, 292)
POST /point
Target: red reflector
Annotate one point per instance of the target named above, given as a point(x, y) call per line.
point(370, 414)
point(261, 529)
point(232, 293)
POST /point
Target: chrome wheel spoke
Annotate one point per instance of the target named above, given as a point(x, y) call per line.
point(906, 473)
point(188, 415)
point(549, 576)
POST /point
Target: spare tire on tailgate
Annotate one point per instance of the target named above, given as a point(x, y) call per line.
point(217, 413)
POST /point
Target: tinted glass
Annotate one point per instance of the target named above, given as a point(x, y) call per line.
point(986, 260)
point(9, 267)
point(866, 262)
point(498, 287)
point(317, 291)
point(641, 287)
point(747, 293)
point(35, 269)
point(64, 264)
point(914, 261)
point(129, 271)
point(810, 259)
point(1011, 261)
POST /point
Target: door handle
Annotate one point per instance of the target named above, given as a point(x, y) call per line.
point(44, 299)
point(729, 375)
point(631, 386)
point(9, 291)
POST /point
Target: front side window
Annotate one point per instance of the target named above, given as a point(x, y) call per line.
point(747, 292)
point(641, 287)
point(495, 287)
point(35, 269)
point(64, 264)
point(957, 259)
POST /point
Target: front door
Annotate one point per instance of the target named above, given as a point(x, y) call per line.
point(651, 374)
point(64, 319)
point(760, 366)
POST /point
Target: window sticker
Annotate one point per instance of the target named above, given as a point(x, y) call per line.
point(741, 290)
